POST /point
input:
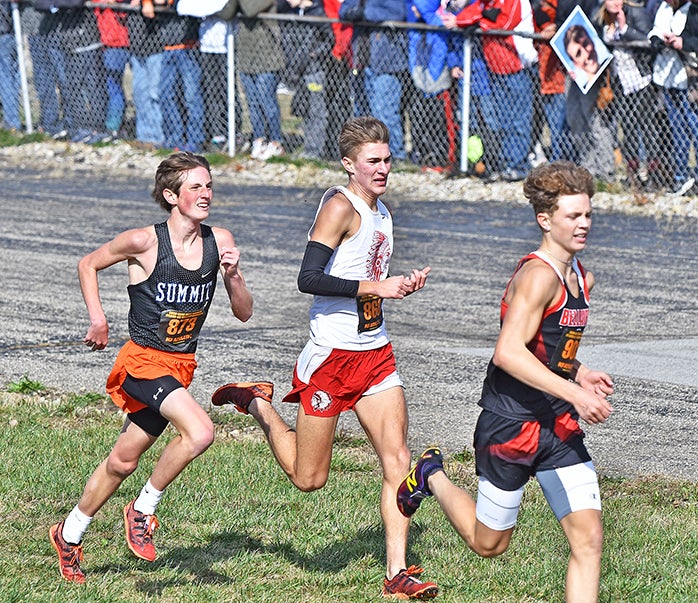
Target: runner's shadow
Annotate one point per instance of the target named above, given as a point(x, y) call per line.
point(195, 563)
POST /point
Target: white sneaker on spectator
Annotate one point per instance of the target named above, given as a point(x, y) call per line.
point(681, 187)
point(537, 157)
point(274, 149)
point(259, 149)
point(642, 173)
point(218, 143)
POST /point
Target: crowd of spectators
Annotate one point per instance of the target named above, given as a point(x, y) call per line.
point(525, 107)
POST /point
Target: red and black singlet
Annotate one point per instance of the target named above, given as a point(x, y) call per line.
point(555, 344)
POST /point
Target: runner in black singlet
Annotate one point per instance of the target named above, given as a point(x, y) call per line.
point(534, 393)
point(172, 267)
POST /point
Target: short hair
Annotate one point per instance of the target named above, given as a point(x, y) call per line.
point(359, 131)
point(171, 174)
point(546, 183)
point(575, 33)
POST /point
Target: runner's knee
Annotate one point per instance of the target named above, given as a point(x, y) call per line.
point(492, 548)
point(397, 464)
point(119, 467)
point(585, 537)
point(310, 482)
point(199, 440)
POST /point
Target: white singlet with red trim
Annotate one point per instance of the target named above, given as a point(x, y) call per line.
point(366, 257)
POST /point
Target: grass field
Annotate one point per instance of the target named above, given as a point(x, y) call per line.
point(234, 529)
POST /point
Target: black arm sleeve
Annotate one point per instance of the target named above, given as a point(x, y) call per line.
point(312, 278)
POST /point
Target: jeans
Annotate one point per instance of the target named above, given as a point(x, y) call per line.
point(554, 106)
point(85, 97)
point(315, 124)
point(683, 123)
point(265, 116)
point(115, 61)
point(146, 90)
point(9, 82)
point(384, 92)
point(49, 77)
point(185, 135)
point(214, 68)
point(513, 95)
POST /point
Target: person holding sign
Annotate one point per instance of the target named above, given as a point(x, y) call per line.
point(534, 393)
point(348, 363)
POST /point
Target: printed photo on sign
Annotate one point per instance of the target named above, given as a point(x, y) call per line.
point(581, 50)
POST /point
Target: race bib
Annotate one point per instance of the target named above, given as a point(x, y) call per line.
point(370, 310)
point(563, 357)
point(179, 329)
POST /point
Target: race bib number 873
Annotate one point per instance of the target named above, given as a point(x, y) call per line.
point(179, 329)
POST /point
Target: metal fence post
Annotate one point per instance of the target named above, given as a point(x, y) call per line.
point(465, 104)
point(16, 22)
point(230, 42)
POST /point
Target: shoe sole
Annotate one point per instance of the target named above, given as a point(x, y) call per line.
point(217, 398)
point(687, 186)
point(427, 593)
point(410, 477)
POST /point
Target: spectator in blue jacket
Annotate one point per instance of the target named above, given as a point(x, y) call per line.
point(146, 66)
point(181, 71)
point(41, 29)
point(433, 56)
point(72, 33)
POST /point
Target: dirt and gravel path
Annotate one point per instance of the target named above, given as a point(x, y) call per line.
point(61, 205)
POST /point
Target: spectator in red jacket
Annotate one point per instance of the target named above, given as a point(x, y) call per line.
point(337, 84)
point(509, 60)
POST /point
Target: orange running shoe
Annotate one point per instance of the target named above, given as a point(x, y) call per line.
point(139, 532)
point(405, 586)
point(69, 555)
point(241, 394)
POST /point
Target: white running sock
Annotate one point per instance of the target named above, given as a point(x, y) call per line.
point(75, 526)
point(148, 499)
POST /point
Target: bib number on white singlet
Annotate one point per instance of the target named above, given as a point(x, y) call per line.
point(370, 311)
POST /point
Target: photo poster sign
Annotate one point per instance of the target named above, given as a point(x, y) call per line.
point(581, 50)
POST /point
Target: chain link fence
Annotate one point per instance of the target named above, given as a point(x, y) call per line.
point(285, 84)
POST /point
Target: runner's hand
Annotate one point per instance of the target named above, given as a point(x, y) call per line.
point(97, 335)
point(592, 408)
point(597, 382)
point(393, 287)
point(417, 279)
point(230, 259)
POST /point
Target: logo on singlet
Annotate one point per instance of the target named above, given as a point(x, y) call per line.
point(378, 257)
point(571, 317)
point(178, 293)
